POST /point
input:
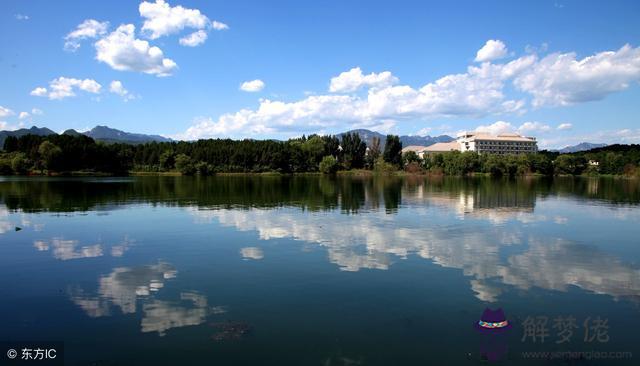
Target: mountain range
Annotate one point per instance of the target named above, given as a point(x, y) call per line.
point(367, 136)
point(112, 135)
point(583, 146)
point(98, 133)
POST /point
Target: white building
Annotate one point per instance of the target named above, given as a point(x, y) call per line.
point(481, 142)
point(505, 143)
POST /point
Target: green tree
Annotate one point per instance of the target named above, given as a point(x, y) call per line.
point(410, 157)
point(393, 150)
point(167, 160)
point(373, 153)
point(328, 165)
point(50, 154)
point(353, 150)
point(19, 163)
point(185, 165)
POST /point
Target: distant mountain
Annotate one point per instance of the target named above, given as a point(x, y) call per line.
point(98, 133)
point(583, 146)
point(107, 134)
point(367, 136)
point(71, 132)
point(24, 131)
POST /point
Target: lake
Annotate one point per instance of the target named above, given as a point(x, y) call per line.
point(311, 270)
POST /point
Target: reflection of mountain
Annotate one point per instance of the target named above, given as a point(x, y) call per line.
point(368, 241)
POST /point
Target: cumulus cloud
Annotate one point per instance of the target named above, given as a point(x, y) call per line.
point(219, 25)
point(496, 128)
point(39, 92)
point(122, 51)
point(533, 127)
point(525, 128)
point(354, 79)
point(21, 17)
point(565, 126)
point(252, 86)
point(36, 112)
point(194, 39)
point(478, 92)
point(24, 115)
point(494, 49)
point(64, 87)
point(5, 112)
point(88, 29)
point(162, 19)
point(116, 87)
point(561, 79)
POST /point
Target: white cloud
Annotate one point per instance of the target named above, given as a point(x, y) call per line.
point(36, 112)
point(219, 25)
point(496, 128)
point(5, 112)
point(162, 19)
point(424, 131)
point(39, 92)
point(5, 126)
point(21, 17)
point(352, 80)
point(252, 86)
point(24, 115)
point(194, 39)
point(476, 93)
point(494, 49)
point(565, 126)
point(123, 52)
point(560, 79)
point(90, 28)
point(533, 127)
point(525, 128)
point(64, 87)
point(116, 87)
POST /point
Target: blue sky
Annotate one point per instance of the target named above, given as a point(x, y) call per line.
point(563, 71)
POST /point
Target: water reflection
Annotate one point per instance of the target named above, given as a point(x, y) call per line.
point(349, 194)
point(252, 253)
point(367, 241)
point(126, 287)
point(122, 288)
point(64, 249)
point(160, 316)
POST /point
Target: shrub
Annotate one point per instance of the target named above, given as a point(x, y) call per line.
point(328, 165)
point(382, 167)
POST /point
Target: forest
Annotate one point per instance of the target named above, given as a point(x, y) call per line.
point(66, 154)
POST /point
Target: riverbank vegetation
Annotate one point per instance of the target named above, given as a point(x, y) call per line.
point(63, 154)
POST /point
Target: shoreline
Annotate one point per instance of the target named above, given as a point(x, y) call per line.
point(342, 173)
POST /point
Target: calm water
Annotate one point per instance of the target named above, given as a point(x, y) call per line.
point(318, 271)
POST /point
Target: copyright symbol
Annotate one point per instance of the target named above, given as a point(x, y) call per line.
point(11, 353)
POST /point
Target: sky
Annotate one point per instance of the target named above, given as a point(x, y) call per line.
point(562, 71)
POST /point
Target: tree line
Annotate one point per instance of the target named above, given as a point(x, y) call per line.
point(32, 154)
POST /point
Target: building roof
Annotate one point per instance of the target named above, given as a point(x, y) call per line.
point(414, 148)
point(443, 146)
point(483, 136)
